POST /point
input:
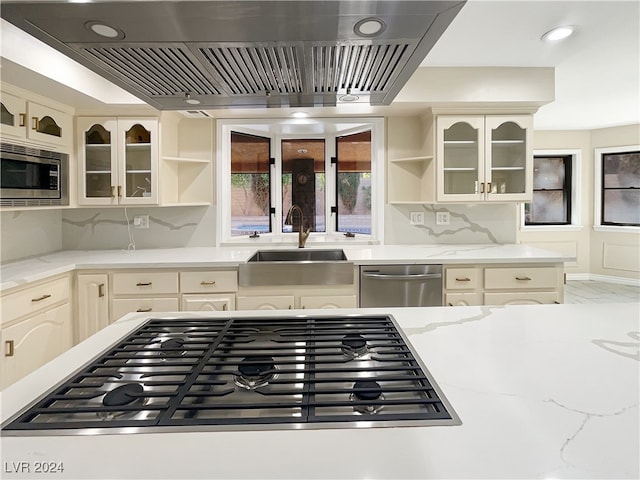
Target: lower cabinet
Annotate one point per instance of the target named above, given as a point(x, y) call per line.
point(93, 304)
point(335, 301)
point(503, 284)
point(266, 302)
point(122, 306)
point(208, 303)
point(31, 343)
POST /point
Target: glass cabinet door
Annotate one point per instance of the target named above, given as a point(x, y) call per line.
point(13, 115)
point(509, 158)
point(460, 158)
point(98, 154)
point(97, 161)
point(139, 161)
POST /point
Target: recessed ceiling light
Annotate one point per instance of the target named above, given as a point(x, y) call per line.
point(191, 101)
point(104, 30)
point(558, 33)
point(369, 27)
point(299, 114)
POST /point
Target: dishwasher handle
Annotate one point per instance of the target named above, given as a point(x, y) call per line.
point(391, 276)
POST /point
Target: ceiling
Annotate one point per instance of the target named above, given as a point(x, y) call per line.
point(597, 69)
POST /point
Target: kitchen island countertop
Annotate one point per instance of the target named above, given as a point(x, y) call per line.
point(17, 273)
point(546, 391)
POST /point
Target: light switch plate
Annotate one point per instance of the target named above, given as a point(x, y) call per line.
point(416, 218)
point(442, 218)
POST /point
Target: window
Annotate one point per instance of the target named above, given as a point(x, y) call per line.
point(332, 169)
point(552, 192)
point(618, 176)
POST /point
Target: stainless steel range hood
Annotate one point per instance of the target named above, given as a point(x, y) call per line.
point(174, 54)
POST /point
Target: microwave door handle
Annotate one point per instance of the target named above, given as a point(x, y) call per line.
point(410, 277)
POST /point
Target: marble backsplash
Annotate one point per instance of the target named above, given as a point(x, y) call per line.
point(495, 223)
point(27, 233)
point(113, 228)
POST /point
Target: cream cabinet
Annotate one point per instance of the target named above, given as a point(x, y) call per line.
point(186, 161)
point(209, 290)
point(467, 158)
point(220, 302)
point(484, 158)
point(33, 122)
point(144, 291)
point(266, 302)
point(328, 301)
point(503, 284)
point(117, 161)
point(37, 326)
point(93, 304)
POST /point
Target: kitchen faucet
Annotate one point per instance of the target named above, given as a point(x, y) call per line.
point(302, 235)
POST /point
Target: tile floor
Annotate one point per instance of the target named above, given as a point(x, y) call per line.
point(589, 291)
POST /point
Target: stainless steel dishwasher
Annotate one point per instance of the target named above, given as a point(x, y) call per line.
point(400, 285)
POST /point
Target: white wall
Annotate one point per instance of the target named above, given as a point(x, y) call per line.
point(612, 254)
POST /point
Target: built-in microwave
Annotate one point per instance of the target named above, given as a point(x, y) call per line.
point(33, 177)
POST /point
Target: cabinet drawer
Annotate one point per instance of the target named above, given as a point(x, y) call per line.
point(266, 302)
point(523, 278)
point(145, 283)
point(333, 301)
point(204, 303)
point(520, 298)
point(211, 281)
point(122, 306)
point(35, 299)
point(461, 279)
point(462, 299)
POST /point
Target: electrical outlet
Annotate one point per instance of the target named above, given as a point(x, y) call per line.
point(442, 218)
point(141, 221)
point(416, 218)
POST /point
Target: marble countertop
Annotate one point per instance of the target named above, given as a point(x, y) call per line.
point(545, 391)
point(37, 268)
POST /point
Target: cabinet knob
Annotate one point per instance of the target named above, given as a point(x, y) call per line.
point(205, 283)
point(144, 284)
point(39, 299)
point(8, 348)
point(224, 307)
point(523, 278)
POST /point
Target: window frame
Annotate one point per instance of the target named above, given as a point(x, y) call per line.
point(598, 189)
point(279, 129)
point(575, 199)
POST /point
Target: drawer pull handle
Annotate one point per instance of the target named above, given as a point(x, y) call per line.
point(101, 290)
point(205, 283)
point(290, 307)
point(465, 279)
point(113, 191)
point(143, 284)
point(39, 299)
point(119, 190)
point(23, 119)
point(450, 304)
point(224, 307)
point(8, 348)
point(35, 125)
point(144, 310)
point(523, 278)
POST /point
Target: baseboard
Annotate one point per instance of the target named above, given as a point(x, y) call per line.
point(603, 278)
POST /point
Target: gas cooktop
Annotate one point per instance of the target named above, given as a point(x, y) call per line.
point(244, 373)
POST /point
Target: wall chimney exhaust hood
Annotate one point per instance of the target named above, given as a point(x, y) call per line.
point(172, 54)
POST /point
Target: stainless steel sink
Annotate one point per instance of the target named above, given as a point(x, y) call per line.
point(296, 267)
point(300, 255)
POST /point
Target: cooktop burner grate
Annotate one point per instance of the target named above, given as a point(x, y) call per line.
point(243, 372)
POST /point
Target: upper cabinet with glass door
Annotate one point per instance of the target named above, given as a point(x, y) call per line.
point(30, 122)
point(118, 161)
point(484, 158)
